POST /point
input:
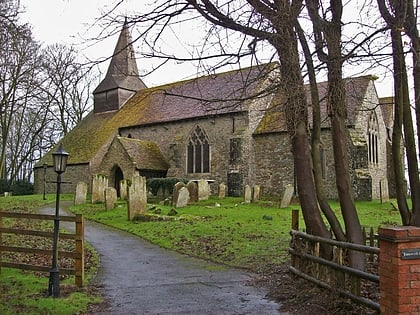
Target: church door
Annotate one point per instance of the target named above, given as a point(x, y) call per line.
point(118, 178)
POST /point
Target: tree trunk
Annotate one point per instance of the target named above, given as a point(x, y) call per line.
point(403, 98)
point(316, 142)
point(297, 113)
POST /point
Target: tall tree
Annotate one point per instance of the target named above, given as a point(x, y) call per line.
point(395, 13)
point(328, 46)
point(67, 86)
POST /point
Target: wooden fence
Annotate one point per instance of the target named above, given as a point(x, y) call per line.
point(361, 286)
point(77, 254)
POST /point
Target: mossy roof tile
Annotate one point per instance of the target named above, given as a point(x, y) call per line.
point(145, 154)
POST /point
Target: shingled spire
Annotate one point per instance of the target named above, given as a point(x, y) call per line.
point(122, 78)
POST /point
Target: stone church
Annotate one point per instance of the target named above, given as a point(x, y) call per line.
point(226, 128)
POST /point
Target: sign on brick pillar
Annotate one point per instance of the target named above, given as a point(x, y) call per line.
point(399, 270)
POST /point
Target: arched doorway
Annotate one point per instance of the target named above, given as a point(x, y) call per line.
point(118, 177)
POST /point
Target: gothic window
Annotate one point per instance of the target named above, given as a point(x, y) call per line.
point(373, 130)
point(198, 152)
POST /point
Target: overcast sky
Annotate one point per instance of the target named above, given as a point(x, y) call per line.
point(69, 21)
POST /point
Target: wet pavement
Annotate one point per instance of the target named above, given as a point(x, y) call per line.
point(137, 277)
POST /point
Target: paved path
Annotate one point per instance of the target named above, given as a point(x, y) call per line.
point(140, 278)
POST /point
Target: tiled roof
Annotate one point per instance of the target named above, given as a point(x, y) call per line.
point(275, 121)
point(145, 154)
point(209, 95)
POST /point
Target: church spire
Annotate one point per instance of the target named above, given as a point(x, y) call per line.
point(122, 78)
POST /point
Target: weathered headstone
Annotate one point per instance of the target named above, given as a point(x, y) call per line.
point(81, 192)
point(193, 190)
point(175, 193)
point(203, 190)
point(183, 197)
point(137, 197)
point(222, 190)
point(287, 196)
point(123, 189)
point(99, 183)
point(110, 198)
point(247, 194)
point(383, 186)
point(256, 193)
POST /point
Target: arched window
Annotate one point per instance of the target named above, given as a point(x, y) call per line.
point(198, 152)
point(373, 130)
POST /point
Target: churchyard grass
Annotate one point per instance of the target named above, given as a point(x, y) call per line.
point(25, 292)
point(226, 231)
point(250, 236)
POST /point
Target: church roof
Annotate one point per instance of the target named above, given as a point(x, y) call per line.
point(356, 93)
point(145, 154)
point(216, 94)
point(122, 71)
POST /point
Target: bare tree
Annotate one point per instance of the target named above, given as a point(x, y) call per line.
point(396, 15)
point(67, 86)
point(18, 62)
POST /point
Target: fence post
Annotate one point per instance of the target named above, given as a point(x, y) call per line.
point(80, 251)
point(295, 219)
point(399, 270)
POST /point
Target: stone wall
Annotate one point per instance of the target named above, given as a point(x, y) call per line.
point(172, 140)
point(273, 163)
point(72, 175)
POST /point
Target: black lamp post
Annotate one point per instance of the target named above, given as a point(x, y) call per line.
point(60, 163)
point(45, 165)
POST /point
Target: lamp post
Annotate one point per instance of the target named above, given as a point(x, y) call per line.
point(60, 163)
point(45, 165)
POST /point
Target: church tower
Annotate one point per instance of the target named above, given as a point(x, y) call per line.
point(122, 78)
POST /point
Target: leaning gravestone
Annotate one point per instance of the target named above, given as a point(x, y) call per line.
point(110, 198)
point(123, 189)
point(222, 190)
point(177, 188)
point(183, 198)
point(99, 183)
point(203, 190)
point(81, 192)
point(193, 190)
point(137, 197)
point(256, 193)
point(247, 194)
point(287, 196)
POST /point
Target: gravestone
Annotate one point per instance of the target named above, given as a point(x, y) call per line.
point(287, 196)
point(99, 183)
point(183, 198)
point(383, 186)
point(176, 190)
point(81, 193)
point(203, 190)
point(222, 190)
point(123, 189)
point(110, 198)
point(137, 197)
point(256, 193)
point(247, 194)
point(193, 191)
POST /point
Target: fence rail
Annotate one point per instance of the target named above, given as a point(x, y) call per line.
point(334, 274)
point(77, 254)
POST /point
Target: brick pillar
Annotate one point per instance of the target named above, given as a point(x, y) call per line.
point(399, 270)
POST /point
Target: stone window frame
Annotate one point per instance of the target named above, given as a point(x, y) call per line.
point(373, 139)
point(198, 151)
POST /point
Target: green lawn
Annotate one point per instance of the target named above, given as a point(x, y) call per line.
point(226, 231)
point(251, 236)
point(25, 292)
